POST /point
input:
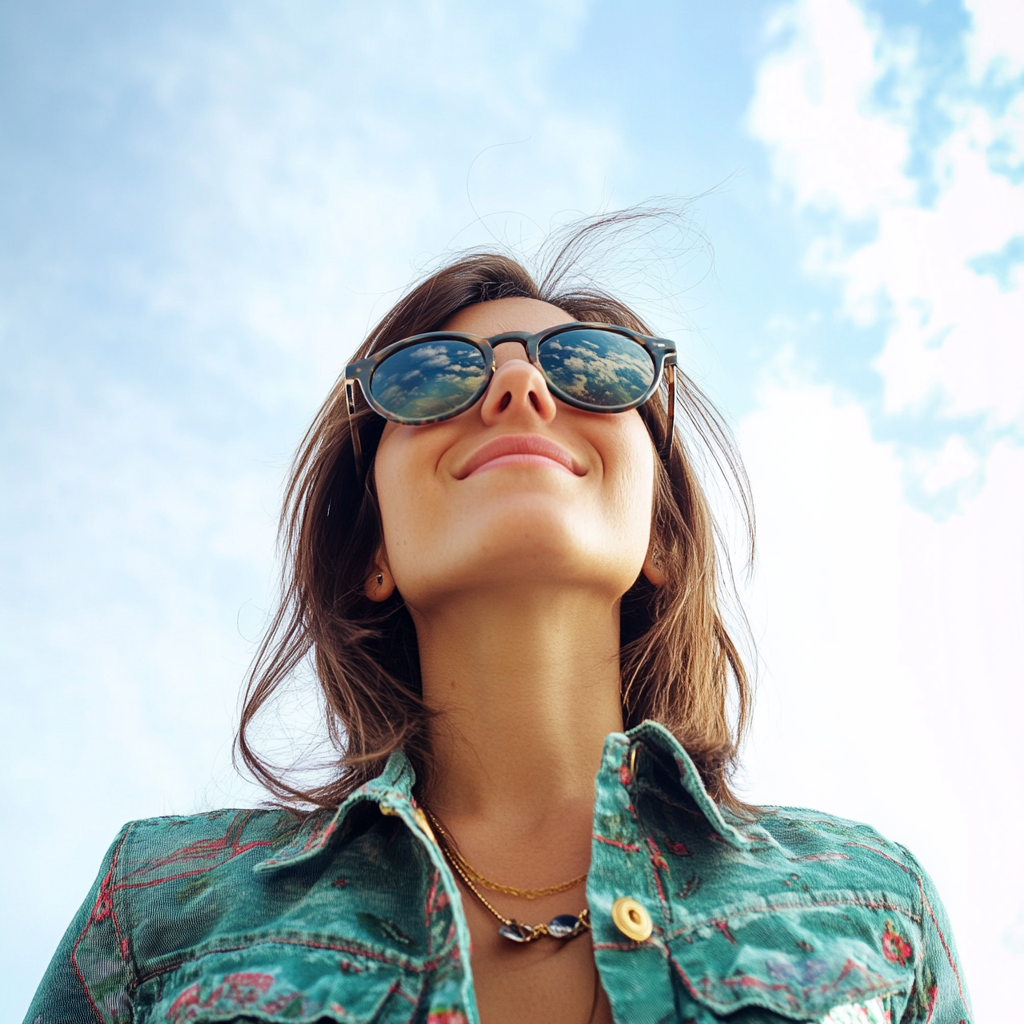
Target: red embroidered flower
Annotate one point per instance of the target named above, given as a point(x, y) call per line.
point(446, 1017)
point(246, 987)
point(105, 900)
point(234, 992)
point(894, 946)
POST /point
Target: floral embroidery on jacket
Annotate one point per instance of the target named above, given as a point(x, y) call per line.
point(894, 946)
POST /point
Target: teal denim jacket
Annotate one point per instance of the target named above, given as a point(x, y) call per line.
point(354, 916)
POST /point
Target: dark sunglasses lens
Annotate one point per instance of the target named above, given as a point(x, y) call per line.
point(601, 368)
point(429, 379)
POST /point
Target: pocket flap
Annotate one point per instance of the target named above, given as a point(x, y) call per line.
point(274, 981)
point(801, 966)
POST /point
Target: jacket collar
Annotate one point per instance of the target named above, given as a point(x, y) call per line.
point(725, 824)
point(392, 792)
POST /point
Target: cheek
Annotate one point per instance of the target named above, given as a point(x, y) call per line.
point(624, 502)
point(395, 477)
point(411, 501)
point(635, 490)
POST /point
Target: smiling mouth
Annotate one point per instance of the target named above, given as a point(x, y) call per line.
point(520, 450)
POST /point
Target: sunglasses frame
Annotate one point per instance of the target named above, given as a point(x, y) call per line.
point(661, 350)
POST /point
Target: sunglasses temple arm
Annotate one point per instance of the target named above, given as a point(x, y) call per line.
point(357, 447)
point(670, 374)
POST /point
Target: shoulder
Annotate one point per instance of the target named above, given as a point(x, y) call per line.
point(807, 836)
point(787, 858)
point(826, 852)
point(211, 838)
point(153, 855)
point(159, 864)
point(800, 822)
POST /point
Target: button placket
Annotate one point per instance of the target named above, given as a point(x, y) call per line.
point(622, 893)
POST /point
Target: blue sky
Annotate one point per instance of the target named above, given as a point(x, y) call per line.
point(203, 207)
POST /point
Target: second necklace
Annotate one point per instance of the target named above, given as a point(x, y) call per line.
point(564, 926)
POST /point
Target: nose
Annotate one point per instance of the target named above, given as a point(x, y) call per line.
point(517, 389)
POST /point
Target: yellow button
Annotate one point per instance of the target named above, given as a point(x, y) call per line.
point(631, 919)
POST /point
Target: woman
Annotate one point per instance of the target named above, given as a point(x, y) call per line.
point(501, 560)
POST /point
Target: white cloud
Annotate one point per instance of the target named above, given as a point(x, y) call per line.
point(830, 142)
point(954, 337)
point(953, 334)
point(996, 40)
point(947, 467)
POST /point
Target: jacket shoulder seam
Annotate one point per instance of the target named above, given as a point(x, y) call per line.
point(103, 909)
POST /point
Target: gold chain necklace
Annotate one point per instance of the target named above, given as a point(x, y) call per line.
point(564, 926)
point(509, 890)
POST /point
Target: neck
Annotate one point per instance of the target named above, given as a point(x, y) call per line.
point(526, 687)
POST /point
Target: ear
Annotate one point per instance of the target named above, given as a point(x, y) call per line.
point(653, 568)
point(380, 584)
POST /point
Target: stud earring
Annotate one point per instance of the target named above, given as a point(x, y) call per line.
point(380, 579)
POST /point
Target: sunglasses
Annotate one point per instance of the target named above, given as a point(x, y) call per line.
point(432, 377)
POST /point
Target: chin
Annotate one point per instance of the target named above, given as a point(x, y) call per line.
point(546, 550)
point(528, 539)
point(530, 525)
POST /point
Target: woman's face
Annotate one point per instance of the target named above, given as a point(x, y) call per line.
point(519, 491)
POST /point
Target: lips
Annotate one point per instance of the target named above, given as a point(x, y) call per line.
point(512, 449)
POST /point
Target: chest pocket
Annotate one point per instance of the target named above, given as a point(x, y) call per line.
point(281, 980)
point(813, 965)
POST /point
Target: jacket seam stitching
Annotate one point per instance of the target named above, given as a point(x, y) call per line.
point(423, 967)
point(718, 920)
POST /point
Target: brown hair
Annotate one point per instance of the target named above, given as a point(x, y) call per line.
point(678, 661)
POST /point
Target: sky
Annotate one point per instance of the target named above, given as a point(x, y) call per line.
point(205, 206)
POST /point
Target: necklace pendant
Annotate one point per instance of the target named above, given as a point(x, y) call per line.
point(516, 932)
point(565, 926)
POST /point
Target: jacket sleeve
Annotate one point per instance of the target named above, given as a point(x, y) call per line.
point(940, 991)
point(89, 976)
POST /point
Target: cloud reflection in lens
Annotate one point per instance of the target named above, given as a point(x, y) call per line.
point(428, 379)
point(597, 367)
